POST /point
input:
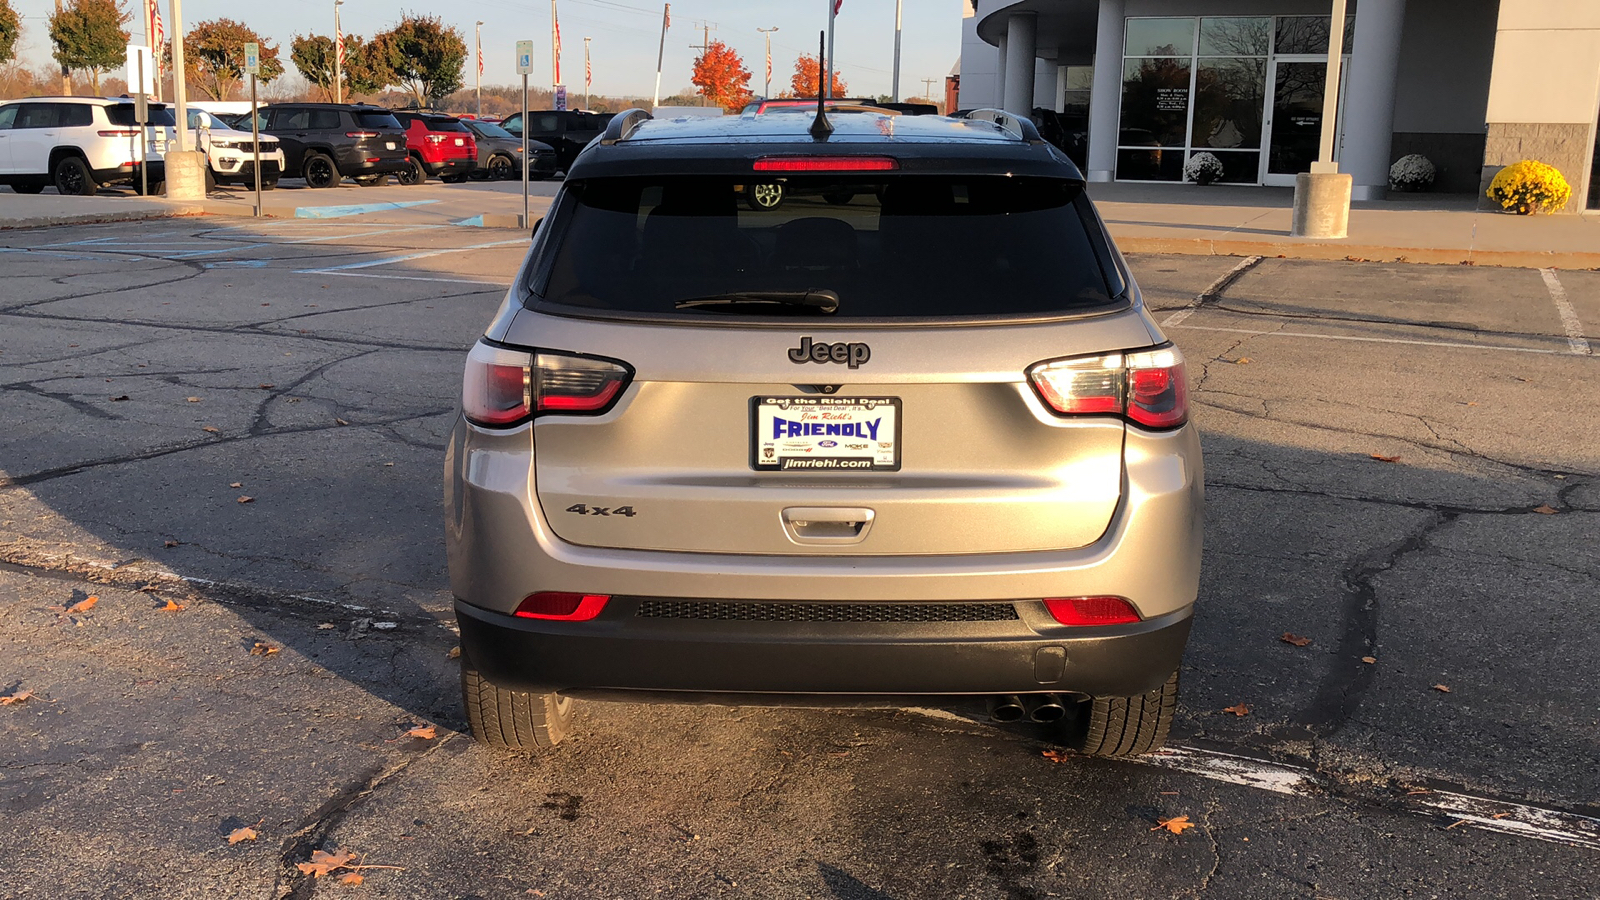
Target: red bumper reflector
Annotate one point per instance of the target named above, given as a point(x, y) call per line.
point(1091, 610)
point(562, 606)
point(826, 164)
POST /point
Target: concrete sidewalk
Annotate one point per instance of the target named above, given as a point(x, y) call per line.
point(50, 208)
point(1448, 229)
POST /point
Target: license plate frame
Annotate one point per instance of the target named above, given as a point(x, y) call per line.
point(800, 450)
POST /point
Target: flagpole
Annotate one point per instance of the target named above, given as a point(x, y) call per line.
point(666, 22)
point(555, 49)
point(767, 32)
point(827, 64)
point(338, 54)
point(894, 89)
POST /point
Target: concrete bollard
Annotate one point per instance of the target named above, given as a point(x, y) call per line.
point(186, 175)
point(1321, 205)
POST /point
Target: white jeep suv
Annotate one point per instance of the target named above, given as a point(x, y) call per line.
point(230, 153)
point(78, 144)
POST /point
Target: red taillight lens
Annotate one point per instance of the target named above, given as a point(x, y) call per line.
point(826, 164)
point(1149, 388)
point(503, 387)
point(361, 134)
point(1079, 611)
point(562, 606)
point(120, 132)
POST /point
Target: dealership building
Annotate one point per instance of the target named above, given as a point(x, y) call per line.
point(1142, 85)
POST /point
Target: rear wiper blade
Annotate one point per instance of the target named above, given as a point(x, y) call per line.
point(821, 301)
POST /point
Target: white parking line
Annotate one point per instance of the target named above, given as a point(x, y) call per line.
point(1372, 340)
point(330, 270)
point(1223, 280)
point(1569, 316)
point(499, 284)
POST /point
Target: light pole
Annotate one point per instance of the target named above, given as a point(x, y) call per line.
point(478, 85)
point(894, 88)
point(180, 92)
point(767, 32)
point(338, 55)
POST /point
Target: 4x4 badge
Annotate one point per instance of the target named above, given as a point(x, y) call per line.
point(854, 354)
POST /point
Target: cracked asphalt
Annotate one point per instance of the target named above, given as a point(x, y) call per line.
point(154, 375)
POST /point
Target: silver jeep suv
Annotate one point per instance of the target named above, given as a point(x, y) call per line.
point(910, 437)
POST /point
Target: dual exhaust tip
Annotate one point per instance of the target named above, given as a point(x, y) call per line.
point(1042, 708)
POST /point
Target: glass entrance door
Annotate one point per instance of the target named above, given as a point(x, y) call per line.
point(1294, 122)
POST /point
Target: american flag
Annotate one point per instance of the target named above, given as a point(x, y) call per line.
point(837, 5)
point(769, 63)
point(155, 34)
point(338, 47)
point(558, 46)
point(666, 17)
point(588, 70)
point(480, 60)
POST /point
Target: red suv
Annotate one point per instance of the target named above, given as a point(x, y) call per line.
point(439, 146)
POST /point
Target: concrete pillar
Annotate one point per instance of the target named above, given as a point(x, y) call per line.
point(186, 174)
point(1021, 60)
point(1321, 205)
point(1105, 95)
point(1369, 97)
point(1000, 76)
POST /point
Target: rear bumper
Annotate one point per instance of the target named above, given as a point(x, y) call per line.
point(622, 652)
point(462, 165)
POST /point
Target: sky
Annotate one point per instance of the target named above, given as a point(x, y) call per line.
point(625, 36)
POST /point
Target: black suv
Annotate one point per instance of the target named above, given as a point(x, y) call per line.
point(567, 130)
point(325, 143)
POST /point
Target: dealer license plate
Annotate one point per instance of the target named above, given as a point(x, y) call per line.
point(828, 434)
point(460, 142)
point(389, 145)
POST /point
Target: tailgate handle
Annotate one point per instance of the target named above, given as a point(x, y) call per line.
point(827, 524)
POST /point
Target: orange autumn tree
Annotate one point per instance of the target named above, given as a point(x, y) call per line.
point(804, 82)
point(720, 75)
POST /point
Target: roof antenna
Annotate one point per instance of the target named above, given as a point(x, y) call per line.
point(820, 126)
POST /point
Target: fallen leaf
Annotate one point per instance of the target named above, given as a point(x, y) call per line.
point(341, 421)
point(18, 697)
point(323, 862)
point(1442, 688)
point(263, 649)
point(121, 398)
point(454, 653)
point(1243, 361)
point(84, 605)
point(241, 834)
point(1176, 824)
point(1457, 822)
point(236, 484)
point(211, 429)
point(1381, 458)
point(326, 626)
point(1240, 709)
point(1546, 510)
point(192, 399)
point(169, 543)
point(424, 732)
point(1055, 756)
point(266, 387)
point(247, 499)
point(352, 878)
point(1290, 637)
point(172, 606)
point(1369, 660)
point(1499, 815)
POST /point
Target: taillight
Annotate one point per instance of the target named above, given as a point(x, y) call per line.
point(1083, 611)
point(562, 606)
point(503, 387)
point(435, 138)
point(120, 132)
point(361, 134)
point(1149, 388)
point(826, 164)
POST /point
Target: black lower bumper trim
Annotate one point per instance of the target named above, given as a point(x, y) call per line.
point(621, 652)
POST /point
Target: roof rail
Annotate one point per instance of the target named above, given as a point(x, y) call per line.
point(1019, 127)
point(622, 126)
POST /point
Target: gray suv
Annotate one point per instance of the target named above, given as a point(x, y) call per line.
point(911, 438)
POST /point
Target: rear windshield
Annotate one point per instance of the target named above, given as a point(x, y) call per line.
point(377, 120)
point(123, 114)
point(888, 246)
point(444, 123)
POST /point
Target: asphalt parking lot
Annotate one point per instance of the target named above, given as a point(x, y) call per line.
point(231, 435)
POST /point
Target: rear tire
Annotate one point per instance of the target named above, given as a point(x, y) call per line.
point(514, 720)
point(72, 178)
point(413, 173)
point(1125, 726)
point(319, 171)
point(501, 168)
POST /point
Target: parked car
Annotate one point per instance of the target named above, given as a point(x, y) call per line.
point(568, 131)
point(231, 153)
point(782, 459)
point(499, 150)
point(325, 143)
point(80, 144)
point(441, 147)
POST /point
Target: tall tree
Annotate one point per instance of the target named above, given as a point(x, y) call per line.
point(720, 75)
point(425, 56)
point(88, 36)
point(364, 72)
point(10, 28)
point(804, 83)
point(213, 53)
